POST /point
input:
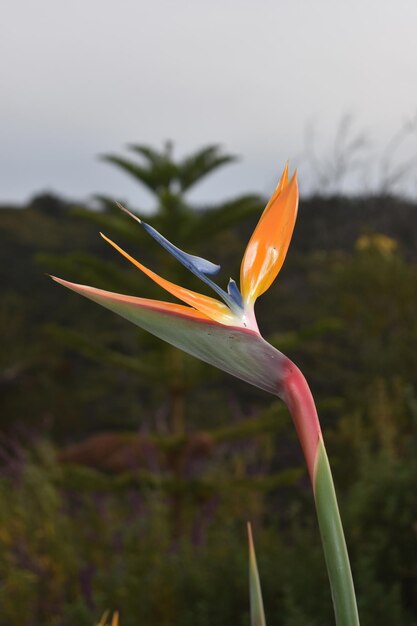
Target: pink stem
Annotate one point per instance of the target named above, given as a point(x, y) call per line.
point(300, 402)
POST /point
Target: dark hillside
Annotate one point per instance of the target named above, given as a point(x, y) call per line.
point(336, 223)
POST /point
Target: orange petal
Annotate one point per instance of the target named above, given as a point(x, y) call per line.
point(283, 182)
point(267, 248)
point(212, 308)
point(144, 303)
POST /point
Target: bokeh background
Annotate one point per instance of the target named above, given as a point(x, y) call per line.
point(128, 470)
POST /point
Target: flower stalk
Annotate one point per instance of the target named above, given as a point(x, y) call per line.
point(300, 402)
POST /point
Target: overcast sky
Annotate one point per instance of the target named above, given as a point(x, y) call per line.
point(85, 77)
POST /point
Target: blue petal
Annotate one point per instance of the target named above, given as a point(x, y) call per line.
point(233, 291)
point(195, 264)
point(198, 266)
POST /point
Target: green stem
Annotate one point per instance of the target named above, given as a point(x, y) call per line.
point(334, 544)
point(300, 402)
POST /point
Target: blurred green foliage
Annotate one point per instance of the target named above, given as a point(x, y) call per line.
point(67, 552)
point(128, 470)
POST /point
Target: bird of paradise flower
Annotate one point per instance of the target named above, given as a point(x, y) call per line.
point(225, 333)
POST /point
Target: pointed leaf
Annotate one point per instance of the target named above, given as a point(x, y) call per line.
point(257, 613)
point(238, 351)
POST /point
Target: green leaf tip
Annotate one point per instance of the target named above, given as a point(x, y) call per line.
point(257, 613)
